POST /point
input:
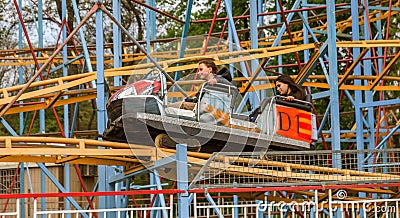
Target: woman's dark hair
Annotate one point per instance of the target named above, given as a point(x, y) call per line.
point(292, 85)
point(210, 63)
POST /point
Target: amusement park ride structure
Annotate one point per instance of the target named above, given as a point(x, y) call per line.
point(361, 75)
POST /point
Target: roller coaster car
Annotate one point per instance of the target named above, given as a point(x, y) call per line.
point(139, 113)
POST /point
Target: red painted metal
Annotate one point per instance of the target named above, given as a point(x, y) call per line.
point(32, 122)
point(58, 122)
point(211, 28)
point(90, 194)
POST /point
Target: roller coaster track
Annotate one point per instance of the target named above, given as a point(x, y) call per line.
point(93, 152)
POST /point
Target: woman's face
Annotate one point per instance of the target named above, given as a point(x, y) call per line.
point(204, 71)
point(282, 88)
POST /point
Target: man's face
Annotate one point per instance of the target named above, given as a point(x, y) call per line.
point(282, 88)
point(204, 71)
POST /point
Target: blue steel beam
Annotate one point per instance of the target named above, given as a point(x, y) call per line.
point(20, 72)
point(82, 37)
point(279, 20)
point(151, 26)
point(22, 187)
point(257, 96)
point(160, 196)
point(306, 30)
point(212, 202)
point(368, 95)
point(182, 180)
point(184, 36)
point(333, 75)
point(103, 171)
point(365, 131)
point(324, 119)
point(380, 103)
point(42, 117)
point(234, 36)
point(60, 187)
point(234, 44)
point(117, 41)
point(356, 105)
point(67, 179)
point(121, 201)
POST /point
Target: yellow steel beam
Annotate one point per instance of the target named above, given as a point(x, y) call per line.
point(76, 151)
point(384, 71)
point(305, 71)
point(352, 66)
point(255, 74)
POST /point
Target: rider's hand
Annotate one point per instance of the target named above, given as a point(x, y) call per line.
point(212, 81)
point(191, 99)
point(289, 98)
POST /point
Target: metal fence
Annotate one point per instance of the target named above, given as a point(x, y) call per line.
point(141, 211)
point(15, 213)
point(329, 207)
point(299, 168)
point(334, 205)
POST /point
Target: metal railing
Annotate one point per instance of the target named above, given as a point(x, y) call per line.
point(277, 168)
point(15, 213)
point(334, 203)
point(115, 212)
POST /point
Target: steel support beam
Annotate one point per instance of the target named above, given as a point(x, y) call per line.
point(103, 171)
point(117, 40)
point(67, 179)
point(258, 95)
point(82, 38)
point(184, 36)
point(182, 180)
point(333, 75)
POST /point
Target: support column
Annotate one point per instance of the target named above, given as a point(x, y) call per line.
point(182, 180)
point(117, 37)
point(103, 171)
point(82, 38)
point(151, 26)
point(358, 94)
point(259, 95)
point(42, 117)
point(21, 115)
point(121, 201)
point(184, 34)
point(66, 112)
point(333, 77)
point(368, 72)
